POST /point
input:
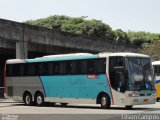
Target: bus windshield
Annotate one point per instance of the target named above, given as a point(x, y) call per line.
point(140, 73)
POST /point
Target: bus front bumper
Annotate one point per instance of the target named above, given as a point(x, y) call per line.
point(140, 100)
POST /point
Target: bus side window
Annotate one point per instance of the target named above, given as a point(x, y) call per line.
point(56, 68)
point(42, 67)
point(84, 67)
point(50, 68)
point(68, 67)
point(75, 67)
point(30, 69)
point(91, 67)
point(21, 70)
point(10, 70)
point(18, 70)
point(62, 68)
point(100, 66)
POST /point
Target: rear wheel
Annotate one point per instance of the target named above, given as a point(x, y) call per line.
point(105, 102)
point(39, 99)
point(158, 99)
point(27, 99)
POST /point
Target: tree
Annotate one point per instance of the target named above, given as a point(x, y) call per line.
point(79, 25)
point(152, 49)
point(138, 38)
point(121, 36)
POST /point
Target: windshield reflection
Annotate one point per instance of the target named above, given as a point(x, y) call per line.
point(140, 74)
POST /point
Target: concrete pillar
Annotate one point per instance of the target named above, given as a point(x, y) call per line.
point(21, 50)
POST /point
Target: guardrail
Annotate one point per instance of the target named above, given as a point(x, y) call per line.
point(1, 92)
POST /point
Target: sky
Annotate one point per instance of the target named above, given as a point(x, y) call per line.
point(134, 15)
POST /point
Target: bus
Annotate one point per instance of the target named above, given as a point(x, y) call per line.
point(156, 66)
point(123, 79)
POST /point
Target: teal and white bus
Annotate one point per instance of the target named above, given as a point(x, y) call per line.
point(124, 79)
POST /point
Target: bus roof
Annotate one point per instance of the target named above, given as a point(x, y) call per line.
point(15, 61)
point(67, 55)
point(125, 54)
point(74, 56)
point(156, 63)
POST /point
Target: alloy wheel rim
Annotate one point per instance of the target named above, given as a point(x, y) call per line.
point(103, 101)
point(28, 99)
point(39, 100)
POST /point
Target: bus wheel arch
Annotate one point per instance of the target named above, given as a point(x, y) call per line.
point(27, 98)
point(103, 99)
point(39, 98)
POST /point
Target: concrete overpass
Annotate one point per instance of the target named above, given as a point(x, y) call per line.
point(18, 40)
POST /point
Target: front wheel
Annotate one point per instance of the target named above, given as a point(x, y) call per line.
point(105, 102)
point(39, 99)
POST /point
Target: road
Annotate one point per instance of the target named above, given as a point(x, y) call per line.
point(12, 107)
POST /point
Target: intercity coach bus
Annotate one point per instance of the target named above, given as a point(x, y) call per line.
point(124, 79)
point(156, 66)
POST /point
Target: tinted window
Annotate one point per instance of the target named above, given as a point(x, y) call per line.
point(21, 71)
point(43, 68)
point(68, 67)
point(113, 62)
point(62, 67)
point(50, 68)
point(83, 67)
point(91, 68)
point(56, 68)
point(30, 69)
point(74, 67)
point(9, 70)
point(100, 66)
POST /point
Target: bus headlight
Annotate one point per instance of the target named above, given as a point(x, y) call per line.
point(154, 94)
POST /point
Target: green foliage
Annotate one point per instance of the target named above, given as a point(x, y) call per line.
point(141, 37)
point(92, 28)
point(152, 49)
point(121, 36)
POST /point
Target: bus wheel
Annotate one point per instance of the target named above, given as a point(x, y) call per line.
point(39, 99)
point(64, 104)
point(27, 99)
point(128, 107)
point(105, 102)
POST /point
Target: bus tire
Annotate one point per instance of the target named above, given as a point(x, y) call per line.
point(128, 107)
point(64, 104)
point(39, 99)
point(27, 98)
point(105, 101)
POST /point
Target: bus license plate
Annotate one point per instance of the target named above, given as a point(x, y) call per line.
point(145, 100)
